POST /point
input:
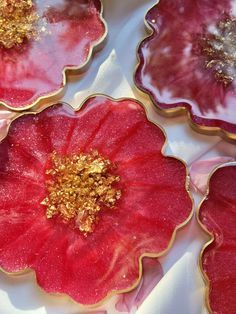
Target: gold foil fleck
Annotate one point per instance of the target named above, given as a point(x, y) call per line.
point(79, 186)
point(220, 50)
point(18, 21)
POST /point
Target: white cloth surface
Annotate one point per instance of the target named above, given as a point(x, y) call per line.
point(181, 290)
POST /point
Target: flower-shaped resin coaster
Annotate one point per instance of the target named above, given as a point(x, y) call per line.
point(85, 195)
point(39, 41)
point(217, 215)
point(188, 64)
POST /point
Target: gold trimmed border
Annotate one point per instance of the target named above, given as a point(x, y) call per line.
point(69, 70)
point(178, 111)
point(150, 255)
point(211, 235)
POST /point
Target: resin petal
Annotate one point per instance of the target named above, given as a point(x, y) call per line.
point(154, 202)
point(218, 260)
point(176, 73)
point(36, 68)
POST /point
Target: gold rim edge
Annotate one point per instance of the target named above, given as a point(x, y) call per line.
point(212, 237)
point(178, 111)
point(151, 255)
point(96, 46)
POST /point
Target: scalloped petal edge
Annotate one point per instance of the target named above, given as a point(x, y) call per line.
point(200, 126)
point(211, 236)
point(150, 255)
point(98, 45)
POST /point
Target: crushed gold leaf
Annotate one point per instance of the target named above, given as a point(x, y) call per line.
point(79, 186)
point(220, 50)
point(18, 21)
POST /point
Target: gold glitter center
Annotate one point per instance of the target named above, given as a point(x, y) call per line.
point(219, 47)
point(18, 21)
point(79, 187)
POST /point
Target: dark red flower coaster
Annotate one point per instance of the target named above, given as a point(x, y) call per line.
point(40, 41)
point(85, 195)
point(188, 63)
point(218, 260)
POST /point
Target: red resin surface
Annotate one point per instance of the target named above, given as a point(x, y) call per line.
point(218, 215)
point(35, 68)
point(154, 199)
point(172, 68)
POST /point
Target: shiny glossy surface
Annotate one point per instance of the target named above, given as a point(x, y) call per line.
point(154, 199)
point(35, 68)
point(173, 68)
point(218, 215)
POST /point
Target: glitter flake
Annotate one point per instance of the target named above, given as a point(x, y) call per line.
point(79, 187)
point(219, 49)
point(18, 21)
